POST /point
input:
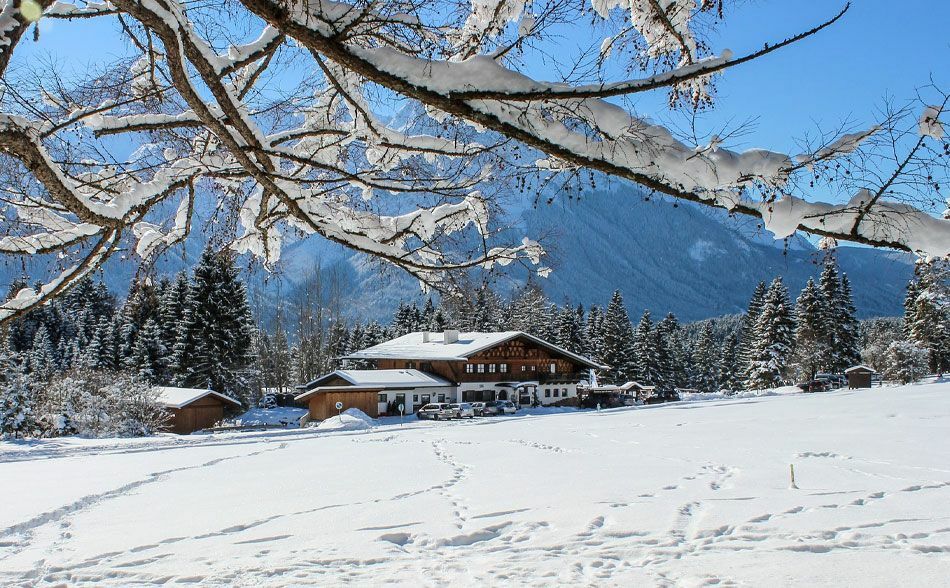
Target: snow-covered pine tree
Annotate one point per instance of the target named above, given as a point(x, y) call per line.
point(43, 361)
point(747, 334)
point(644, 366)
point(402, 322)
point(810, 336)
point(829, 284)
point(281, 365)
point(927, 318)
point(213, 349)
point(617, 336)
point(528, 310)
point(487, 311)
point(729, 377)
point(705, 361)
point(569, 329)
point(17, 405)
point(776, 336)
point(849, 352)
point(172, 313)
point(149, 359)
point(593, 332)
point(905, 362)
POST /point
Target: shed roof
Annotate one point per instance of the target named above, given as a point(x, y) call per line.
point(860, 368)
point(414, 346)
point(172, 397)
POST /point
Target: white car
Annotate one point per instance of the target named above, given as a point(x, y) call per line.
point(500, 407)
point(464, 410)
point(437, 411)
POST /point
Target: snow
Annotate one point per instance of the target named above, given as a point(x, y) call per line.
point(414, 346)
point(386, 378)
point(179, 397)
point(677, 494)
point(352, 419)
point(930, 125)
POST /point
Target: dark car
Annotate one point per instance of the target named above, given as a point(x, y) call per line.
point(814, 386)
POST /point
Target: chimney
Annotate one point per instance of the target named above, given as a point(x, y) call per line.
point(425, 336)
point(450, 336)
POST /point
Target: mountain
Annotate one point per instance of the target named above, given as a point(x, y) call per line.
point(691, 260)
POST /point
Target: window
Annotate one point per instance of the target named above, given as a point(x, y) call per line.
point(411, 365)
point(415, 397)
point(564, 392)
point(534, 368)
point(553, 368)
point(441, 397)
point(426, 399)
point(524, 368)
point(491, 368)
point(481, 368)
point(547, 392)
point(469, 368)
point(555, 393)
point(381, 398)
point(401, 399)
point(503, 368)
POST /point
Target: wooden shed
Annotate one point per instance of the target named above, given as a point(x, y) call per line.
point(193, 409)
point(859, 376)
point(322, 401)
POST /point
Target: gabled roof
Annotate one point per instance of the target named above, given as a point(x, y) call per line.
point(381, 379)
point(413, 346)
point(858, 368)
point(171, 397)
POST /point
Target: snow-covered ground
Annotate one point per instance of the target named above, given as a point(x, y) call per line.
point(683, 494)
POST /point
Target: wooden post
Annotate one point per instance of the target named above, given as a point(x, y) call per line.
point(791, 468)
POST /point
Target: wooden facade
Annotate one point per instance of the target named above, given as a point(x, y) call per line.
point(517, 360)
point(322, 403)
point(200, 414)
point(859, 377)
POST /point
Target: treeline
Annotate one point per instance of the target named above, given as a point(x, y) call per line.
point(85, 364)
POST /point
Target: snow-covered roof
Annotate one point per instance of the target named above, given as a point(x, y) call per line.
point(172, 397)
point(415, 346)
point(382, 379)
point(858, 368)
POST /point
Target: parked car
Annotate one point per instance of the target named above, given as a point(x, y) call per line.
point(814, 386)
point(497, 407)
point(464, 410)
point(437, 411)
point(833, 380)
point(478, 408)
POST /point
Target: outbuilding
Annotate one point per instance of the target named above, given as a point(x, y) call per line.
point(375, 392)
point(193, 409)
point(859, 376)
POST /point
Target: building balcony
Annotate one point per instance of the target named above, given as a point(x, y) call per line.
point(519, 376)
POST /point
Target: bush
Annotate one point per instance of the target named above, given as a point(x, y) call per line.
point(96, 404)
point(905, 362)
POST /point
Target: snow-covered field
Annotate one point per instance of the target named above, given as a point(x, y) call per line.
point(684, 494)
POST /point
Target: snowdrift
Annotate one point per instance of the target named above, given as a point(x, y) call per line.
point(352, 419)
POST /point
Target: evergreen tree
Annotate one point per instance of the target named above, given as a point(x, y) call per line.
point(487, 312)
point(705, 362)
point(593, 332)
point(217, 333)
point(774, 345)
point(849, 352)
point(17, 405)
point(810, 337)
point(528, 311)
point(569, 330)
point(645, 368)
point(43, 361)
point(928, 320)
point(149, 356)
point(729, 370)
point(617, 336)
point(829, 283)
point(748, 336)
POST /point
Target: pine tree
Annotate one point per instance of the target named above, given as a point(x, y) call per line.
point(17, 405)
point(829, 283)
point(644, 365)
point(747, 335)
point(43, 361)
point(774, 345)
point(593, 332)
point(849, 335)
point(217, 332)
point(487, 312)
point(149, 356)
point(528, 311)
point(569, 330)
point(810, 337)
point(928, 320)
point(729, 370)
point(617, 336)
point(705, 361)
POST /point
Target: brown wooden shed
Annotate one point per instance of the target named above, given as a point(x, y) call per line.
point(322, 401)
point(859, 376)
point(193, 409)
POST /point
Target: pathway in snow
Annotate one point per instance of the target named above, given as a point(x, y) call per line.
point(678, 495)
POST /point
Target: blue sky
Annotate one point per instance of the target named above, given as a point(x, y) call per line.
point(880, 48)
